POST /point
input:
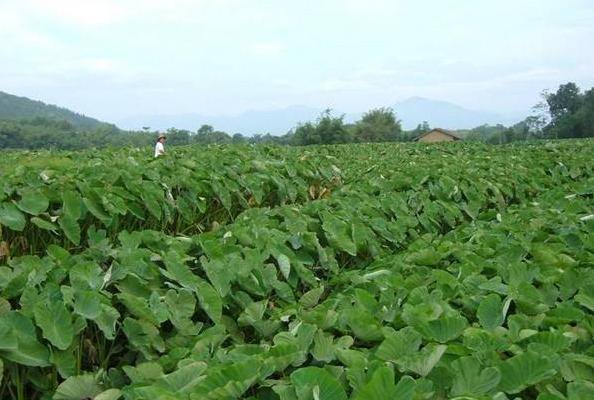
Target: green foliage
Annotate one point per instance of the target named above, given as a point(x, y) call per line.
point(332, 272)
point(490, 311)
point(326, 130)
point(470, 380)
point(565, 101)
point(565, 113)
point(378, 125)
point(78, 387)
point(314, 383)
point(185, 192)
point(571, 112)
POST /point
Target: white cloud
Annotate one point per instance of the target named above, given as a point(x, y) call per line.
point(16, 31)
point(91, 14)
point(100, 65)
point(367, 6)
point(84, 14)
point(337, 85)
point(245, 53)
point(267, 49)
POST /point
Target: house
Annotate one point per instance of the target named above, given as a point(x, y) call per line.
point(437, 135)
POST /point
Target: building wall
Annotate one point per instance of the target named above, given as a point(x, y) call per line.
point(436, 136)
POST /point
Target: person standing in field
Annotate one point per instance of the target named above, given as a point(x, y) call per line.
point(160, 146)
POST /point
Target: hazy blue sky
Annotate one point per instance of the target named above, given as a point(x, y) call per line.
point(112, 58)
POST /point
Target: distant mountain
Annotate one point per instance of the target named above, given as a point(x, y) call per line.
point(411, 112)
point(16, 108)
point(443, 114)
point(276, 122)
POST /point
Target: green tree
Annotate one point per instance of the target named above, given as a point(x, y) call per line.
point(565, 101)
point(206, 134)
point(535, 125)
point(238, 138)
point(306, 134)
point(326, 130)
point(563, 107)
point(378, 125)
point(205, 130)
point(177, 137)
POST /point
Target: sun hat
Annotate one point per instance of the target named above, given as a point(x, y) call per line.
point(161, 135)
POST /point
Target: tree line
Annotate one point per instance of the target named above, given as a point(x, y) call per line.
point(566, 113)
point(377, 125)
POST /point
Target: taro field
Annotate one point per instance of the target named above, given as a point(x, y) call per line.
point(394, 271)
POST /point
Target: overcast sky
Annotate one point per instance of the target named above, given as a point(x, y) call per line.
point(115, 58)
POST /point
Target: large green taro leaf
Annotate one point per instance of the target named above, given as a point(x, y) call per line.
point(580, 390)
point(12, 217)
point(55, 322)
point(72, 204)
point(97, 210)
point(470, 380)
point(490, 311)
point(143, 336)
point(227, 381)
point(44, 224)
point(184, 379)
point(33, 202)
point(364, 325)
point(209, 298)
point(78, 387)
point(313, 383)
point(423, 361)
point(523, 370)
point(28, 350)
point(338, 233)
point(382, 386)
point(399, 344)
point(444, 329)
point(70, 227)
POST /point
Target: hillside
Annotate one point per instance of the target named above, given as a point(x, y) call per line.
point(18, 108)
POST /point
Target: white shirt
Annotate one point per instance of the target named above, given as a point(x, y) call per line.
point(159, 149)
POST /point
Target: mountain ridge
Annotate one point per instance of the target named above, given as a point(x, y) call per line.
point(16, 108)
point(411, 112)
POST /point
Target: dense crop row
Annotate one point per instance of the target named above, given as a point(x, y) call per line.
point(58, 200)
point(435, 272)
